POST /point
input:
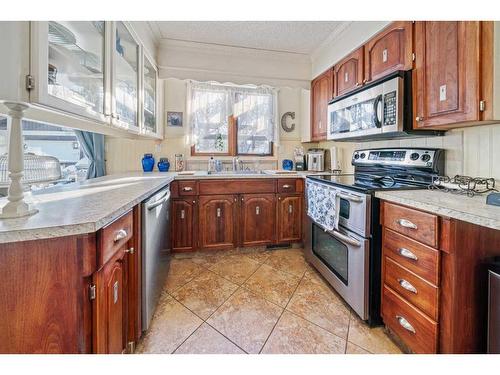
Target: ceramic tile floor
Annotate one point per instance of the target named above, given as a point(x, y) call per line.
point(255, 301)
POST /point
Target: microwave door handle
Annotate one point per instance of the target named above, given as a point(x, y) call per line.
point(376, 120)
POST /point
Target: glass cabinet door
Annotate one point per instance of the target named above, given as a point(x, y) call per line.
point(126, 76)
point(149, 105)
point(75, 69)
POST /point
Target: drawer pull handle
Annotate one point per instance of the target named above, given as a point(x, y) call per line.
point(120, 235)
point(407, 224)
point(407, 285)
point(116, 287)
point(407, 253)
point(286, 186)
point(187, 188)
point(405, 324)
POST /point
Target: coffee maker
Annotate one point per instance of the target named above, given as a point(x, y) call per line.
point(316, 159)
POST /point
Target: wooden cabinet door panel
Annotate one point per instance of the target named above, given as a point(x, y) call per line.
point(110, 330)
point(389, 51)
point(183, 216)
point(289, 218)
point(217, 215)
point(258, 212)
point(348, 73)
point(446, 75)
point(321, 94)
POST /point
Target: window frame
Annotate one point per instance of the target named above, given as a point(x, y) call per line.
point(232, 137)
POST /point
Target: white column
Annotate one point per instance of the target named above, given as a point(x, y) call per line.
point(16, 206)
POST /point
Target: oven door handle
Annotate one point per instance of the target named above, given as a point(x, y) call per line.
point(350, 197)
point(347, 239)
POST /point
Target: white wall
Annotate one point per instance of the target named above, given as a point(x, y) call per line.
point(205, 62)
point(125, 154)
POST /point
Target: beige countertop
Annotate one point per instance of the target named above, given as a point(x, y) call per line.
point(86, 207)
point(470, 209)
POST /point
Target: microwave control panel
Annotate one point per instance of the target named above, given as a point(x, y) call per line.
point(390, 110)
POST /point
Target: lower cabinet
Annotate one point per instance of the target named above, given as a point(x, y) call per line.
point(289, 218)
point(183, 223)
point(110, 306)
point(217, 216)
point(223, 214)
point(258, 213)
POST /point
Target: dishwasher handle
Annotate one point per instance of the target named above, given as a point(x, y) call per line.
point(158, 202)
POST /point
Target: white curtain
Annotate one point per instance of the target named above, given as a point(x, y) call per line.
point(211, 103)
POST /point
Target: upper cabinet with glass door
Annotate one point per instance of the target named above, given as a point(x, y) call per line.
point(68, 66)
point(125, 83)
point(150, 97)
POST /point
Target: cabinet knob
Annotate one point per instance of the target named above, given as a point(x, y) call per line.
point(120, 235)
point(194, 202)
point(365, 81)
point(130, 251)
point(357, 84)
point(419, 118)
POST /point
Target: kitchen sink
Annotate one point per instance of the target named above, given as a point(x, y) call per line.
point(236, 172)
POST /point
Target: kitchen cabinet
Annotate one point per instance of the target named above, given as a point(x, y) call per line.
point(289, 218)
point(184, 214)
point(447, 81)
point(389, 51)
point(125, 79)
point(258, 213)
point(150, 96)
point(433, 280)
point(217, 215)
point(321, 94)
point(73, 294)
point(69, 67)
point(348, 74)
point(227, 213)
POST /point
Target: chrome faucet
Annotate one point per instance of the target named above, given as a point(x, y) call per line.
point(236, 164)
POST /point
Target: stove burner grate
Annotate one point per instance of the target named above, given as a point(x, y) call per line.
point(465, 185)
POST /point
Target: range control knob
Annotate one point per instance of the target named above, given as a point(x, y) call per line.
point(414, 156)
point(356, 156)
point(362, 155)
point(426, 157)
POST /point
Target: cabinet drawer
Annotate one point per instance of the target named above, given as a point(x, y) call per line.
point(417, 331)
point(188, 188)
point(113, 236)
point(289, 185)
point(420, 259)
point(418, 225)
point(413, 288)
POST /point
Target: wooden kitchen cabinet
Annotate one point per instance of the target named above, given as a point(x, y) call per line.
point(258, 213)
point(389, 51)
point(434, 280)
point(321, 94)
point(348, 74)
point(289, 218)
point(183, 228)
point(446, 78)
point(217, 217)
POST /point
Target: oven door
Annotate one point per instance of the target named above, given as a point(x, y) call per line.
point(342, 257)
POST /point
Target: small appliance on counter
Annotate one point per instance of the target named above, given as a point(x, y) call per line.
point(148, 163)
point(316, 160)
point(163, 165)
point(298, 157)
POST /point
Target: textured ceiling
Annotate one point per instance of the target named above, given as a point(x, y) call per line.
point(290, 36)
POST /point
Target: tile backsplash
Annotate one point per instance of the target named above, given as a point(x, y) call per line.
point(473, 151)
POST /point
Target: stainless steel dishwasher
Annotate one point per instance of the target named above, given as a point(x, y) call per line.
point(155, 250)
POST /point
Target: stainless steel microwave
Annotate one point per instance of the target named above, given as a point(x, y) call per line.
point(379, 110)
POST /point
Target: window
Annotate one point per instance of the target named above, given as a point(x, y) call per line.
point(232, 120)
point(45, 139)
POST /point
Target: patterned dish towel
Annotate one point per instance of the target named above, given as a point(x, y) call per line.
point(322, 204)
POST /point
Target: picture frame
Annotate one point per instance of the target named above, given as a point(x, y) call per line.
point(174, 119)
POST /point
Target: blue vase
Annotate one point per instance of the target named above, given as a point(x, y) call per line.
point(148, 163)
point(163, 165)
point(287, 165)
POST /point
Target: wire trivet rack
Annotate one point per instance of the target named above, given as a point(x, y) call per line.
point(465, 185)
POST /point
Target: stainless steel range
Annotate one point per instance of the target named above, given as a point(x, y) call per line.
point(349, 257)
